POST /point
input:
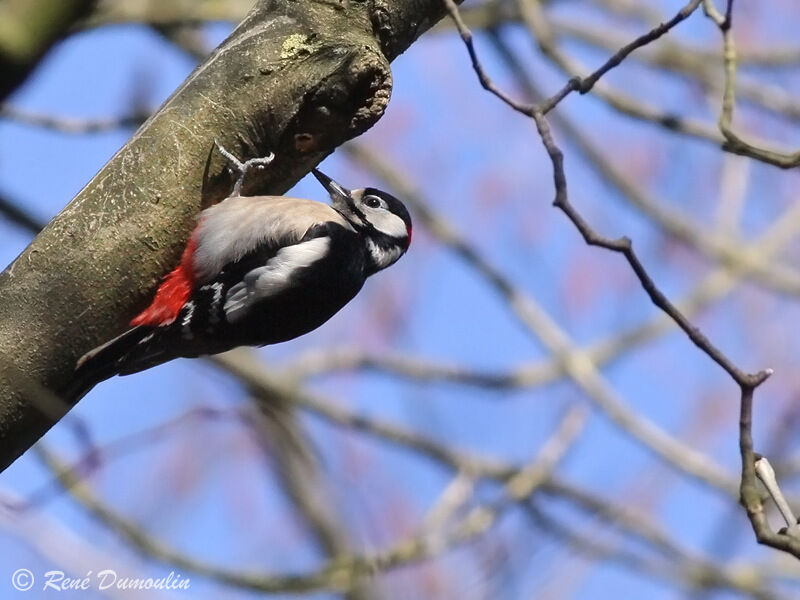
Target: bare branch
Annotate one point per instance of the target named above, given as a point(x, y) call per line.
point(573, 362)
point(69, 125)
point(17, 215)
point(747, 382)
point(734, 141)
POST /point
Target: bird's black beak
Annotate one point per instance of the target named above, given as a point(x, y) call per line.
point(339, 194)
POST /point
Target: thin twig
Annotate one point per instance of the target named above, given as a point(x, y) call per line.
point(70, 125)
point(19, 216)
point(734, 141)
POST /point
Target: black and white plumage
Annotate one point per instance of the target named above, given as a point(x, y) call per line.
point(257, 270)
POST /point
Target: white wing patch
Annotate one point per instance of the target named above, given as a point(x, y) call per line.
point(273, 277)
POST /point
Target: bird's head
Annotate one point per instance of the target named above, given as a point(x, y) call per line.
point(380, 217)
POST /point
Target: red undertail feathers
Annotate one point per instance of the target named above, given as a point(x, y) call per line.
point(172, 294)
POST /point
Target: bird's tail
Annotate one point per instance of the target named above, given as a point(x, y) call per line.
point(127, 353)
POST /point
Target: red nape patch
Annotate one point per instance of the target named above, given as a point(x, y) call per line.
point(172, 294)
point(408, 230)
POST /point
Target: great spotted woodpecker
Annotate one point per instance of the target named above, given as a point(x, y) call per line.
point(257, 270)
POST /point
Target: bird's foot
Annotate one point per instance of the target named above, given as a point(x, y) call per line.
point(243, 167)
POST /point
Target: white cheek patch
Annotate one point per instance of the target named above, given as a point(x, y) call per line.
point(274, 277)
point(383, 258)
point(386, 222)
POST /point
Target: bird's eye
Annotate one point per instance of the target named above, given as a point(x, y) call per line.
point(372, 201)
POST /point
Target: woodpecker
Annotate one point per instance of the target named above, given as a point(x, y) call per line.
point(257, 270)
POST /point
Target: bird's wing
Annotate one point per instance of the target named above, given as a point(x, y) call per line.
point(277, 274)
point(239, 226)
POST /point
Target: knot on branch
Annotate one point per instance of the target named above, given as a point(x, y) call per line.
point(345, 104)
point(371, 83)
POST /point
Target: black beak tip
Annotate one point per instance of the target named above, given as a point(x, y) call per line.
point(334, 189)
point(321, 177)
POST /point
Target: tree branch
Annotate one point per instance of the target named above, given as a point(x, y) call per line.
point(747, 382)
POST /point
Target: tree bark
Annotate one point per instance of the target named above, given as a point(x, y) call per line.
point(296, 78)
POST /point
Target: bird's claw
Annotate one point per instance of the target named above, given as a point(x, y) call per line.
point(242, 167)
